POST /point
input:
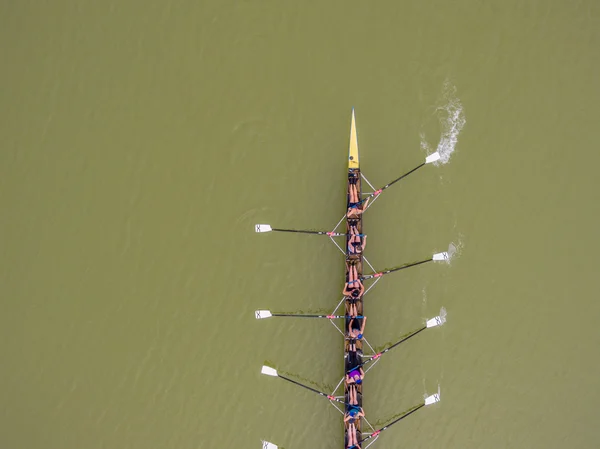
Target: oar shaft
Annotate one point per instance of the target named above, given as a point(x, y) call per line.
point(376, 356)
point(391, 270)
point(414, 264)
point(404, 339)
point(331, 398)
point(377, 192)
point(404, 175)
point(329, 317)
point(377, 432)
point(301, 231)
point(302, 385)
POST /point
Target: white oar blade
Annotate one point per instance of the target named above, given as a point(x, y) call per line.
point(267, 445)
point(263, 228)
point(260, 314)
point(436, 321)
point(441, 256)
point(432, 399)
point(432, 158)
point(268, 371)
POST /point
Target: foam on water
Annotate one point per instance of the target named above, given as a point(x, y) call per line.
point(455, 249)
point(452, 120)
point(451, 250)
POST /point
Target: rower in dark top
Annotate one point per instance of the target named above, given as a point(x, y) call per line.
point(352, 354)
point(353, 310)
point(354, 288)
point(355, 207)
point(356, 243)
point(356, 326)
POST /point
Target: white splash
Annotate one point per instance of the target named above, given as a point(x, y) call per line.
point(451, 251)
point(443, 313)
point(452, 120)
point(455, 249)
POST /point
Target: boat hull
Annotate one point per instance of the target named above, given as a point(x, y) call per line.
point(352, 359)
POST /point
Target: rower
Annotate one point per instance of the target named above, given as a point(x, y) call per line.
point(353, 310)
point(355, 206)
point(355, 332)
point(352, 395)
point(356, 244)
point(354, 413)
point(352, 437)
point(355, 376)
point(353, 357)
point(354, 288)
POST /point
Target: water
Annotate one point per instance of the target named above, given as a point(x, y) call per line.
point(141, 142)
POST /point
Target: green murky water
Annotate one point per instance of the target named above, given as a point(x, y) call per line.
point(141, 141)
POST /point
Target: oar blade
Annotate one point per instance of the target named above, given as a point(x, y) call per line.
point(433, 157)
point(263, 228)
point(432, 399)
point(268, 371)
point(441, 256)
point(267, 445)
point(435, 321)
point(261, 314)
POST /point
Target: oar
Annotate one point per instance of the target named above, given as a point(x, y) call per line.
point(433, 322)
point(428, 401)
point(439, 256)
point(268, 228)
point(273, 372)
point(429, 159)
point(261, 314)
point(267, 445)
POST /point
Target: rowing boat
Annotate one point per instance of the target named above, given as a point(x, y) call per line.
point(354, 359)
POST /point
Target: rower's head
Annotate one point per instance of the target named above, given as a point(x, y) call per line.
point(358, 381)
point(355, 293)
